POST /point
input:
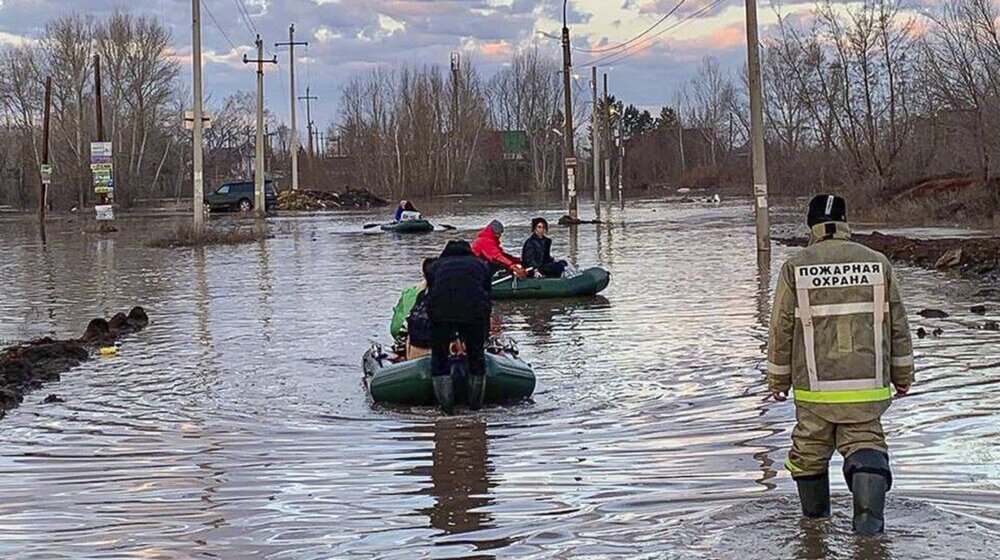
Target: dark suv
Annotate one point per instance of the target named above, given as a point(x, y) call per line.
point(239, 195)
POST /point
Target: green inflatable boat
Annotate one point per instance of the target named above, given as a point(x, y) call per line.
point(589, 282)
point(409, 226)
point(508, 379)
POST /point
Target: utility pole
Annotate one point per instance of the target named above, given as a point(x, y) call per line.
point(99, 110)
point(46, 170)
point(291, 73)
point(258, 171)
point(570, 153)
point(605, 131)
point(621, 164)
point(595, 144)
point(309, 123)
point(102, 156)
point(197, 162)
point(680, 141)
point(453, 144)
point(757, 131)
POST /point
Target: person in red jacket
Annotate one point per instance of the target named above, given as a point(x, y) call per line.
point(487, 247)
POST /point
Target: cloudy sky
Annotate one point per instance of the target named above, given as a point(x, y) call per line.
point(348, 37)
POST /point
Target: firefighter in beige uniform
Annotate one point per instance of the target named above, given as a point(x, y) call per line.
point(839, 337)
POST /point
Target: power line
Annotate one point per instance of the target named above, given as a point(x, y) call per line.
point(633, 39)
point(218, 27)
point(630, 51)
point(245, 15)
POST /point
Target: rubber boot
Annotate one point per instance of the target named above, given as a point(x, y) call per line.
point(477, 391)
point(869, 503)
point(444, 391)
point(869, 478)
point(814, 494)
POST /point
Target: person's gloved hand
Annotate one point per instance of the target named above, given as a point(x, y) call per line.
point(519, 271)
point(538, 274)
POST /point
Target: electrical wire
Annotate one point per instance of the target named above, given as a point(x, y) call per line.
point(633, 39)
point(218, 27)
point(247, 20)
point(613, 58)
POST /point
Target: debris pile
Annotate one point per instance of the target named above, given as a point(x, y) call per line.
point(311, 200)
point(28, 366)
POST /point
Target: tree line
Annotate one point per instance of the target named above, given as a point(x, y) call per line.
point(867, 97)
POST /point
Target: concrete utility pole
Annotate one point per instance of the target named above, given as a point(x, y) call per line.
point(258, 171)
point(569, 152)
point(595, 144)
point(605, 131)
point(453, 140)
point(196, 152)
point(43, 186)
point(291, 73)
point(621, 164)
point(309, 122)
point(757, 131)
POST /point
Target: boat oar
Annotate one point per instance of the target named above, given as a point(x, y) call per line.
point(447, 226)
point(371, 225)
point(527, 273)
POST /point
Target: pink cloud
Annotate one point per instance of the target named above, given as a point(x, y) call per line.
point(495, 50)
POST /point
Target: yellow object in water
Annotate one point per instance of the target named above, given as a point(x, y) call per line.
point(108, 350)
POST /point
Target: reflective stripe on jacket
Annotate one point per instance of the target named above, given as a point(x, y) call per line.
point(839, 332)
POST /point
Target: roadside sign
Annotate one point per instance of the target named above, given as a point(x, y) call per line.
point(46, 174)
point(571, 162)
point(105, 212)
point(100, 152)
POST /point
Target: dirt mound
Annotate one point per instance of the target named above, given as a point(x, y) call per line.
point(27, 366)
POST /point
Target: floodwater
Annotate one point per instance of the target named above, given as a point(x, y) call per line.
point(236, 425)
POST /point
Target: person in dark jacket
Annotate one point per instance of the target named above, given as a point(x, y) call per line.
point(458, 303)
point(537, 252)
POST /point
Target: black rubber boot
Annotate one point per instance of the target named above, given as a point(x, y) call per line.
point(868, 476)
point(814, 494)
point(869, 503)
point(477, 391)
point(444, 391)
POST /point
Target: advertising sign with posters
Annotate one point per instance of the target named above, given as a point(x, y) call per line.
point(101, 167)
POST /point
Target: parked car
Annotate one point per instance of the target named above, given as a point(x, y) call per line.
point(239, 195)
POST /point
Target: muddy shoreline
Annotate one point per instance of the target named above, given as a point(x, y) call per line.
point(28, 366)
point(977, 257)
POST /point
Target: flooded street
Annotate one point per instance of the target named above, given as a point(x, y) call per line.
point(236, 425)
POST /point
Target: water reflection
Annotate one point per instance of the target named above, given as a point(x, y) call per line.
point(461, 476)
point(541, 316)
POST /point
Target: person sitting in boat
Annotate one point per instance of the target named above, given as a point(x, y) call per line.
point(459, 304)
point(537, 252)
point(410, 321)
point(487, 247)
point(406, 211)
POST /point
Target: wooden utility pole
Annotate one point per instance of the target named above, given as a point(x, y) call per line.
point(99, 110)
point(198, 164)
point(309, 123)
point(258, 171)
point(46, 171)
point(595, 143)
point(680, 142)
point(757, 131)
point(569, 153)
point(291, 73)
